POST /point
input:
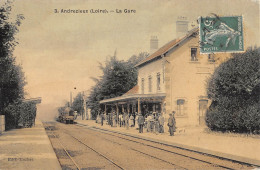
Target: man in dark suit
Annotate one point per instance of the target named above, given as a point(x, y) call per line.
point(172, 123)
point(140, 122)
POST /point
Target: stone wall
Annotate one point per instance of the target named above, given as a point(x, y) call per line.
point(2, 123)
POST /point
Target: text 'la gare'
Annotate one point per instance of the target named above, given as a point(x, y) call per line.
point(125, 11)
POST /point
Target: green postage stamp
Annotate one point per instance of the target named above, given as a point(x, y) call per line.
point(221, 34)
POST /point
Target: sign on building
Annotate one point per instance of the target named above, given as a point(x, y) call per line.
point(221, 34)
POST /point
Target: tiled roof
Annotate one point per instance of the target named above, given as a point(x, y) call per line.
point(166, 48)
point(134, 90)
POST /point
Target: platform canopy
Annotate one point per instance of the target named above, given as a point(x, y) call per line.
point(36, 100)
point(134, 97)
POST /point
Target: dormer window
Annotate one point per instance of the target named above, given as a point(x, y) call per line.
point(194, 54)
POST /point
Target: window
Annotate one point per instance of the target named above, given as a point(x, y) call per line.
point(211, 58)
point(194, 54)
point(180, 107)
point(142, 86)
point(158, 81)
point(150, 83)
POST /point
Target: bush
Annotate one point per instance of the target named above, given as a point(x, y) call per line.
point(234, 91)
point(20, 114)
point(12, 115)
point(27, 114)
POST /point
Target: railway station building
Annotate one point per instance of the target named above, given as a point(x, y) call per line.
point(149, 93)
point(173, 78)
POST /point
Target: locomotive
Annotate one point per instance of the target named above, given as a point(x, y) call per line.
point(67, 116)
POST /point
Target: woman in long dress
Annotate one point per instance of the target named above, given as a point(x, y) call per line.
point(131, 121)
point(136, 119)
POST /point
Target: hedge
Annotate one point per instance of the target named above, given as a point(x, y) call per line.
point(20, 114)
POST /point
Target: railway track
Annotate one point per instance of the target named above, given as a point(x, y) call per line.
point(120, 167)
point(167, 151)
point(50, 130)
point(113, 162)
point(100, 154)
point(207, 159)
point(86, 145)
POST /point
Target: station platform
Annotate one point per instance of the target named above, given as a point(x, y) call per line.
point(27, 148)
point(238, 147)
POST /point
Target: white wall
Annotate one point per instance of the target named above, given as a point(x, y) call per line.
point(151, 69)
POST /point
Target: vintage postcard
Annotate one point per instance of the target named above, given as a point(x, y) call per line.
point(140, 84)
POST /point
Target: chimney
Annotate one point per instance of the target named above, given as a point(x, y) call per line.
point(181, 26)
point(153, 44)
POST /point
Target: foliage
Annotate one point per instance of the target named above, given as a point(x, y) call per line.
point(12, 114)
point(61, 110)
point(20, 114)
point(234, 90)
point(12, 79)
point(77, 104)
point(118, 77)
point(28, 114)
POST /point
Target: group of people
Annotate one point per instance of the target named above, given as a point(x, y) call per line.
point(153, 121)
point(126, 121)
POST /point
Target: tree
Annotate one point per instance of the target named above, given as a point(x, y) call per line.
point(234, 90)
point(118, 77)
point(61, 110)
point(77, 104)
point(12, 79)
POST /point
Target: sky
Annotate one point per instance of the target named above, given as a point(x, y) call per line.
point(60, 51)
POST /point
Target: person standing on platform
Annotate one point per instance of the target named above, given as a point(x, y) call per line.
point(120, 120)
point(140, 122)
point(114, 119)
point(161, 123)
point(156, 123)
point(124, 116)
point(136, 119)
point(102, 119)
point(111, 118)
point(172, 123)
point(108, 120)
point(131, 122)
point(152, 122)
point(135, 115)
point(127, 121)
point(149, 123)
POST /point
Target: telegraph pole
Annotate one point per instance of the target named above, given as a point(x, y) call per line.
point(84, 106)
point(70, 105)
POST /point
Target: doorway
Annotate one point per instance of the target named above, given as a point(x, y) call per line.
point(203, 105)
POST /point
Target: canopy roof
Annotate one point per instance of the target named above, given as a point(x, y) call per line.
point(132, 94)
point(36, 100)
point(133, 97)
